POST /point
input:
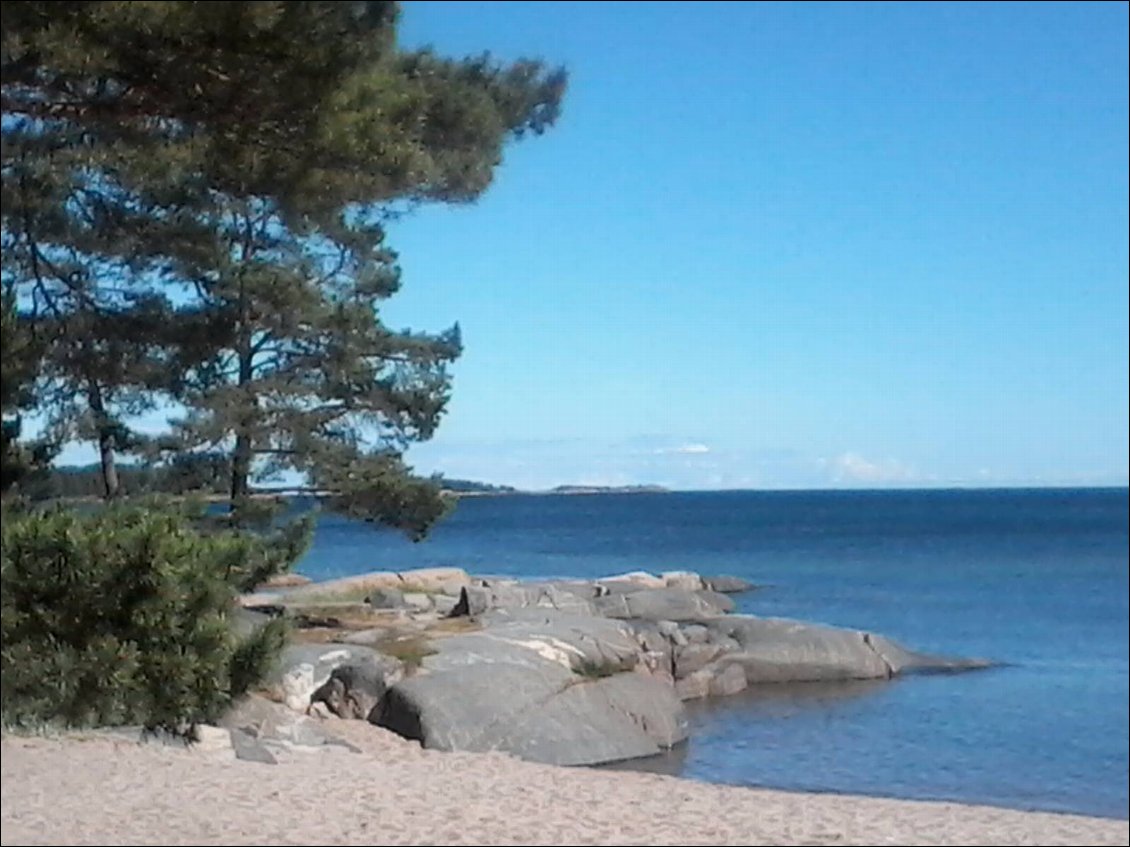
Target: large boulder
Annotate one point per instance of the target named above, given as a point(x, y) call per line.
point(541, 684)
point(664, 604)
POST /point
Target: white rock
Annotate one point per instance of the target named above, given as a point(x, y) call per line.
point(297, 686)
point(641, 578)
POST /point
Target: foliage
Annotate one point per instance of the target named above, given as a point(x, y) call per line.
point(21, 466)
point(122, 616)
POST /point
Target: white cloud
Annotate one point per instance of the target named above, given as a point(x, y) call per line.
point(853, 468)
point(683, 449)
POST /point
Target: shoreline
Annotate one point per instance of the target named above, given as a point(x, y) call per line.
point(87, 788)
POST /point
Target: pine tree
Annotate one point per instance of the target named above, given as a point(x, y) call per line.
point(252, 153)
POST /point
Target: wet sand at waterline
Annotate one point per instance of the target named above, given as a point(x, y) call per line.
point(90, 789)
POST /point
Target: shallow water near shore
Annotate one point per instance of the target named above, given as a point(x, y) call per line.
point(1035, 579)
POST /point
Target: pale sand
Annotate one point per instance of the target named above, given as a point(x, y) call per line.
point(98, 791)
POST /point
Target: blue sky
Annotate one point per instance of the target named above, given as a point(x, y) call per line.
point(796, 245)
point(790, 246)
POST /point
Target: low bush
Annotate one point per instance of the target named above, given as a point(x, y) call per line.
point(122, 616)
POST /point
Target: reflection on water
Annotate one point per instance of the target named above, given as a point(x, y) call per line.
point(783, 700)
point(708, 717)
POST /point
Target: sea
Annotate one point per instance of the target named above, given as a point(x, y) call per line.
point(1035, 580)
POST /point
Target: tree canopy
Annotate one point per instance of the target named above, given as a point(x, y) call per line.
point(195, 202)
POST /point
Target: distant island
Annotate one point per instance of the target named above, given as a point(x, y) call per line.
point(609, 489)
point(470, 486)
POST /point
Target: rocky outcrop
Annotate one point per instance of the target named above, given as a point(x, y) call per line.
point(566, 672)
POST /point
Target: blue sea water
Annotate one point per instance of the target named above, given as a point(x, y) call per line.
point(1033, 579)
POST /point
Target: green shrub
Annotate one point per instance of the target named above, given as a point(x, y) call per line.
point(121, 616)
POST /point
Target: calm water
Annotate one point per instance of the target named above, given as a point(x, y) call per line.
point(1034, 579)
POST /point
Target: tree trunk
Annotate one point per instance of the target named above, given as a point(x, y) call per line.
point(241, 457)
point(111, 486)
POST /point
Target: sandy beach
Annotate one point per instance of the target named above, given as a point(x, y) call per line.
point(96, 790)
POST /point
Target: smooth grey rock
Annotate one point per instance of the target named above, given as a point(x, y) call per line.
point(727, 679)
point(727, 584)
point(539, 683)
point(694, 657)
point(696, 633)
point(386, 598)
point(549, 717)
point(658, 604)
point(354, 690)
point(778, 650)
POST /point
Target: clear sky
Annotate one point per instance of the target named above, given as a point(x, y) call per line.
point(789, 246)
point(795, 245)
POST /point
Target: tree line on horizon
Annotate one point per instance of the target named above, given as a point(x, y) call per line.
point(195, 201)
